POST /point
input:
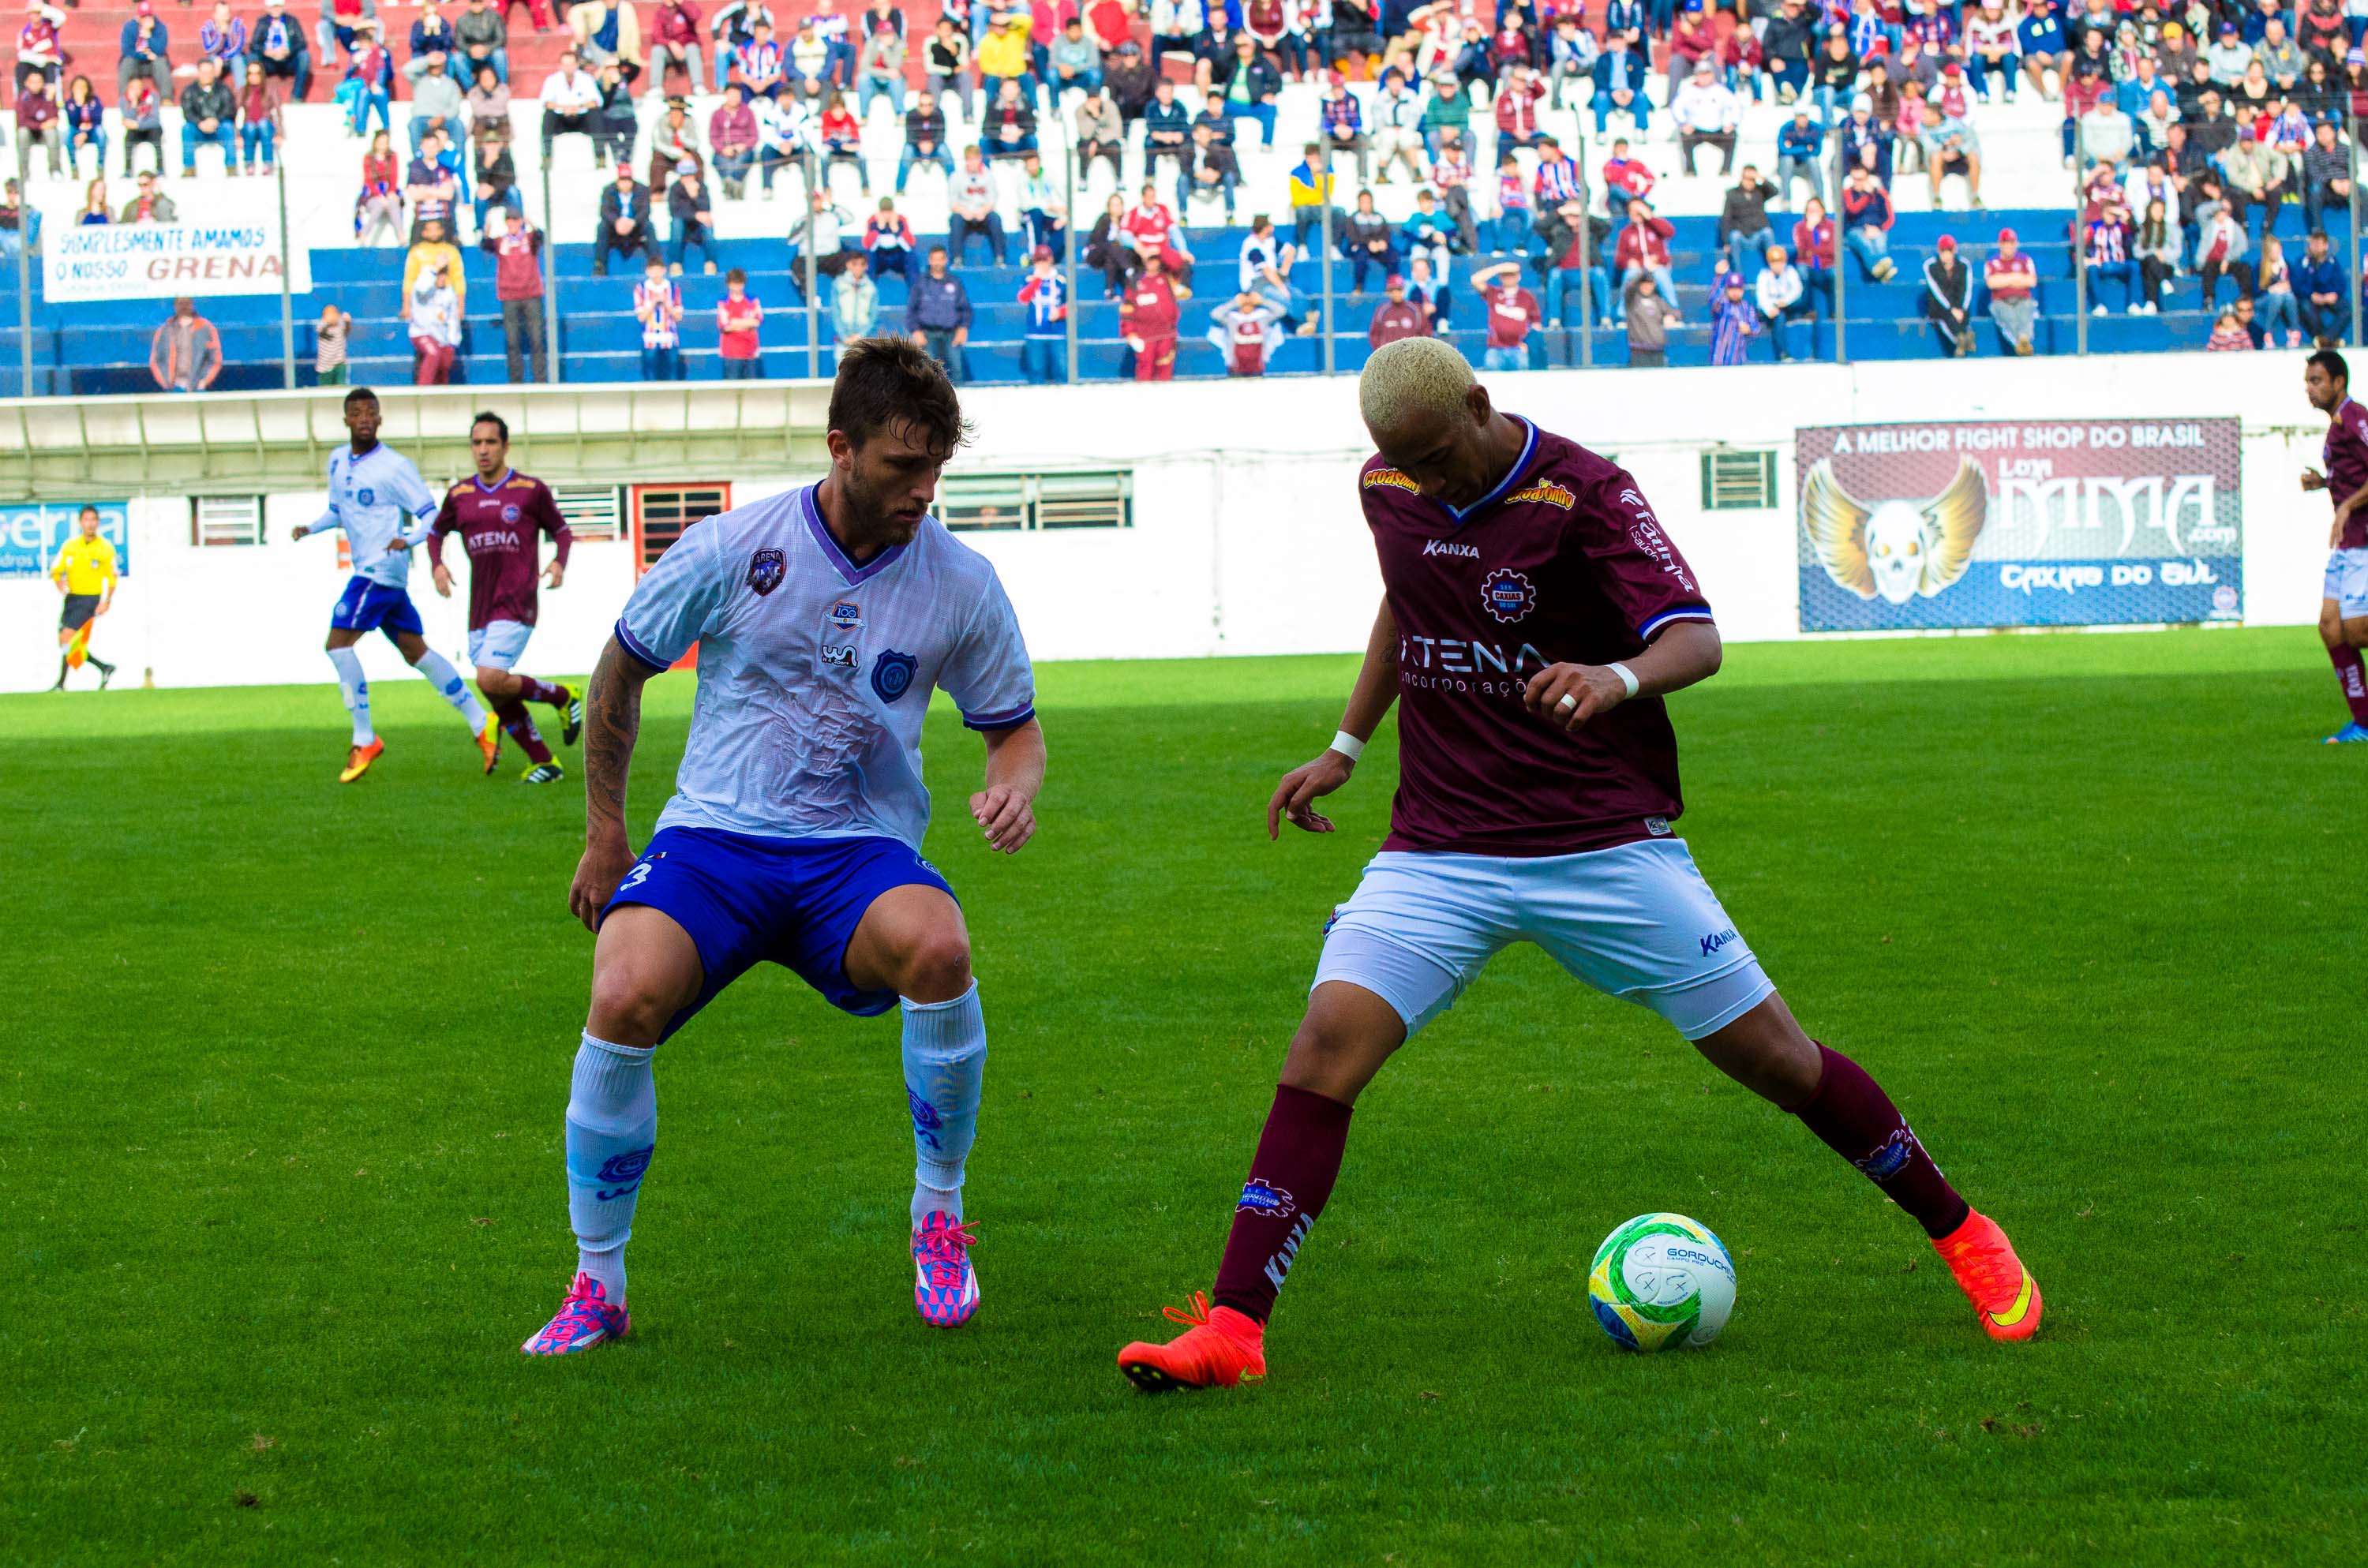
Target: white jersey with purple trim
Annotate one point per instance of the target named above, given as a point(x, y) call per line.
point(814, 673)
point(371, 497)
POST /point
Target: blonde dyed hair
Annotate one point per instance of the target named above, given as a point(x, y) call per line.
point(1413, 378)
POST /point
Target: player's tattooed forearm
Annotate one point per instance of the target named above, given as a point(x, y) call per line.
point(612, 718)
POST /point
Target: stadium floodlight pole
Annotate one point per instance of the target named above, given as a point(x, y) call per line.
point(550, 284)
point(1069, 254)
point(1842, 282)
point(2080, 243)
point(2352, 206)
point(286, 302)
point(814, 311)
point(24, 267)
point(1326, 176)
point(1586, 259)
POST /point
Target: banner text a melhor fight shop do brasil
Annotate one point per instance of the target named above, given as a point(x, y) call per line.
point(2089, 522)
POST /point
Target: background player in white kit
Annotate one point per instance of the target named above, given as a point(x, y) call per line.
point(373, 491)
point(824, 618)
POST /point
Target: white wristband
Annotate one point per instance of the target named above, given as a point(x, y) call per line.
point(1348, 746)
point(1627, 676)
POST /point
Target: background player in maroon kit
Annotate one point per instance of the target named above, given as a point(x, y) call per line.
point(498, 511)
point(2343, 609)
point(1535, 615)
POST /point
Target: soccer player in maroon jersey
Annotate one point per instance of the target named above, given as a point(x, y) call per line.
point(496, 512)
point(2343, 609)
point(1534, 617)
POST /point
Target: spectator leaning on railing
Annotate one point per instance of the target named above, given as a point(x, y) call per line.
point(518, 284)
point(938, 315)
point(2011, 281)
point(184, 355)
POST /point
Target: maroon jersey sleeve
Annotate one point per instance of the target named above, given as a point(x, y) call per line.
point(546, 516)
point(1636, 566)
point(448, 517)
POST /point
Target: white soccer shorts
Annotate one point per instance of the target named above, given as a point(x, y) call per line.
point(497, 643)
point(2347, 581)
point(1636, 921)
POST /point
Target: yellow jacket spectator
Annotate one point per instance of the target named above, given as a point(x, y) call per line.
point(1004, 51)
point(431, 251)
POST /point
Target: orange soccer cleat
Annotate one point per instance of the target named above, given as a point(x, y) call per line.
point(1217, 1349)
point(2004, 1296)
point(489, 741)
point(359, 760)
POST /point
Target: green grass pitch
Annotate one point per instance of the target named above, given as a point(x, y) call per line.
point(280, 1187)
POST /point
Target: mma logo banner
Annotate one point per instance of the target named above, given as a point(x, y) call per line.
point(2090, 522)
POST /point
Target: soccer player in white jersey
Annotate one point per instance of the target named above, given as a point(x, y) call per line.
point(824, 618)
point(373, 491)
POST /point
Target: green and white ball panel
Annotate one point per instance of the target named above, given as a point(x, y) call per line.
point(1662, 1281)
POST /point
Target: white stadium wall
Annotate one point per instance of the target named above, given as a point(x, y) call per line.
point(1247, 536)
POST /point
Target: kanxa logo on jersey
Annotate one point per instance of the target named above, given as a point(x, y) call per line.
point(1450, 547)
point(891, 676)
point(766, 570)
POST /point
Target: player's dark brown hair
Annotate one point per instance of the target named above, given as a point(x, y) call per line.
point(2327, 360)
point(496, 420)
point(884, 381)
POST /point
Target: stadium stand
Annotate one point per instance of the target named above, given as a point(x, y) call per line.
point(2027, 179)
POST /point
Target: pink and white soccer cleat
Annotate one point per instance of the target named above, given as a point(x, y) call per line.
point(584, 1319)
point(945, 1287)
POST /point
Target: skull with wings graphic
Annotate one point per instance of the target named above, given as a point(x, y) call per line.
point(1897, 549)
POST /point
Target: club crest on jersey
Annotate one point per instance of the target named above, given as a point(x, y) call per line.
point(366, 496)
point(1450, 547)
point(509, 512)
point(892, 674)
point(1390, 478)
point(847, 615)
point(1544, 490)
point(766, 570)
point(1506, 596)
point(1266, 1199)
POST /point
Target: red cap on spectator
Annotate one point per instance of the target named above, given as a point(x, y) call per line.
point(1044, 253)
point(1393, 281)
point(1947, 241)
point(2008, 236)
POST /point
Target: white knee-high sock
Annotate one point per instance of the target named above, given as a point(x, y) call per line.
point(355, 691)
point(612, 1130)
point(446, 679)
point(945, 1063)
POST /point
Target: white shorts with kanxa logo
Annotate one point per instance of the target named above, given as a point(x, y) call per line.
point(1636, 921)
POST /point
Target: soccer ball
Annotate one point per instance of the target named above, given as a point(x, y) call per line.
point(1662, 1281)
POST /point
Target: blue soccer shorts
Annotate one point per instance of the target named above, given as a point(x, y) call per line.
point(793, 902)
point(1636, 921)
point(366, 605)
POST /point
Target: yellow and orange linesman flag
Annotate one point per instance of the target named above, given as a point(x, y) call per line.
point(79, 649)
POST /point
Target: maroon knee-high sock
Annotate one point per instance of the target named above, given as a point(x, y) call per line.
point(520, 724)
point(535, 691)
point(1858, 1123)
point(1298, 1157)
point(2355, 684)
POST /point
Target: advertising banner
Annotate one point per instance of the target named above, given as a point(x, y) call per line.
point(2089, 522)
point(29, 536)
point(234, 249)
